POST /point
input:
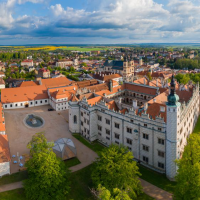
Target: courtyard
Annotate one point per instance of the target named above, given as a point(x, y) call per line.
point(55, 126)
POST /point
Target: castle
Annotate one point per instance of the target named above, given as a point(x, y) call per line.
point(153, 120)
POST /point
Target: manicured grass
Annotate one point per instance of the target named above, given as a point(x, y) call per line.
point(157, 179)
point(19, 176)
point(95, 146)
point(80, 188)
point(72, 162)
point(197, 127)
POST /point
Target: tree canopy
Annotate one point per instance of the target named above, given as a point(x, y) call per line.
point(47, 174)
point(115, 168)
point(188, 174)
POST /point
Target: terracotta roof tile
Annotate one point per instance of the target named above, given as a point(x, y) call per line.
point(4, 149)
point(55, 82)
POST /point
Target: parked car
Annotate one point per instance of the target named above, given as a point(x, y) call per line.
point(50, 109)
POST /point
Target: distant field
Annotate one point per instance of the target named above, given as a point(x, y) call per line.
point(85, 49)
point(45, 48)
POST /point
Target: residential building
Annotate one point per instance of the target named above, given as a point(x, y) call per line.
point(27, 63)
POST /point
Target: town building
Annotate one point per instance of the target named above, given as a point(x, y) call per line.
point(27, 63)
point(44, 73)
point(154, 122)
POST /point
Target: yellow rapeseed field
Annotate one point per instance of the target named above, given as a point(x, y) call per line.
point(47, 48)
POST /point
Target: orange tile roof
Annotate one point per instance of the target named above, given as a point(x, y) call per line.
point(21, 94)
point(112, 105)
point(28, 83)
point(55, 82)
point(94, 100)
point(4, 149)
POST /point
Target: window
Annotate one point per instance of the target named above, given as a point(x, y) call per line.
point(161, 141)
point(145, 159)
point(107, 138)
point(145, 136)
point(131, 121)
point(35, 102)
point(116, 125)
point(145, 148)
point(40, 101)
point(129, 141)
point(88, 122)
point(161, 165)
point(21, 104)
point(145, 125)
point(116, 142)
point(5, 106)
point(116, 136)
point(31, 103)
point(16, 105)
point(107, 132)
point(88, 132)
point(107, 121)
point(99, 134)
point(81, 123)
point(11, 105)
point(99, 118)
point(129, 130)
point(75, 119)
point(81, 113)
point(99, 128)
point(161, 154)
point(84, 120)
point(130, 149)
point(45, 101)
point(160, 129)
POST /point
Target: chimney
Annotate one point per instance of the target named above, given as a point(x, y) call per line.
point(135, 104)
point(111, 85)
point(145, 106)
point(144, 81)
point(162, 109)
point(156, 82)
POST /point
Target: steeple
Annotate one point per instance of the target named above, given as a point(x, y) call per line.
point(173, 98)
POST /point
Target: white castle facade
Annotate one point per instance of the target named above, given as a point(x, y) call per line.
point(156, 132)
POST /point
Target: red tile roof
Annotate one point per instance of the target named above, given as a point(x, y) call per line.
point(4, 149)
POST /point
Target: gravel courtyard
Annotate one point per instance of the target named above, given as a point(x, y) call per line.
point(55, 127)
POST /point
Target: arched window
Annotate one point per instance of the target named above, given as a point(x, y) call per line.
point(75, 119)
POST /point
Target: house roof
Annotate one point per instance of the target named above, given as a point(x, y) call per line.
point(55, 82)
point(21, 94)
point(4, 149)
point(28, 83)
point(2, 119)
point(27, 61)
point(105, 77)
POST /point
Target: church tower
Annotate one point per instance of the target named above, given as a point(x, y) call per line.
point(173, 117)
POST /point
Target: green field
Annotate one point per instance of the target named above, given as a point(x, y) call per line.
point(85, 49)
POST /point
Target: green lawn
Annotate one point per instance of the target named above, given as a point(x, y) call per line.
point(85, 49)
point(157, 179)
point(197, 127)
point(95, 146)
point(80, 188)
point(19, 176)
point(72, 162)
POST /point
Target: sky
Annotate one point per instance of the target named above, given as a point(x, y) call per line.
point(99, 21)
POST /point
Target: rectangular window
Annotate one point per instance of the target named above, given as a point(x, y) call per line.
point(116, 142)
point(99, 118)
point(145, 125)
point(5, 106)
point(145, 136)
point(107, 138)
point(40, 101)
point(145, 148)
point(88, 122)
point(88, 132)
point(107, 121)
point(99, 134)
point(129, 130)
point(81, 123)
point(84, 120)
point(145, 159)
point(116, 125)
point(160, 129)
point(107, 132)
point(130, 149)
point(99, 128)
point(161, 141)
point(129, 141)
point(116, 136)
point(36, 102)
point(161, 154)
point(10, 105)
point(45, 101)
point(81, 113)
point(161, 165)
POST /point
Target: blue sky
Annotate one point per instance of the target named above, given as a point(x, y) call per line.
point(98, 21)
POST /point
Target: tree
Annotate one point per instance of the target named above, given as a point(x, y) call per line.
point(47, 174)
point(103, 194)
point(149, 76)
point(83, 64)
point(188, 174)
point(115, 168)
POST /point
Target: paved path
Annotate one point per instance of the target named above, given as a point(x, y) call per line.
point(154, 191)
